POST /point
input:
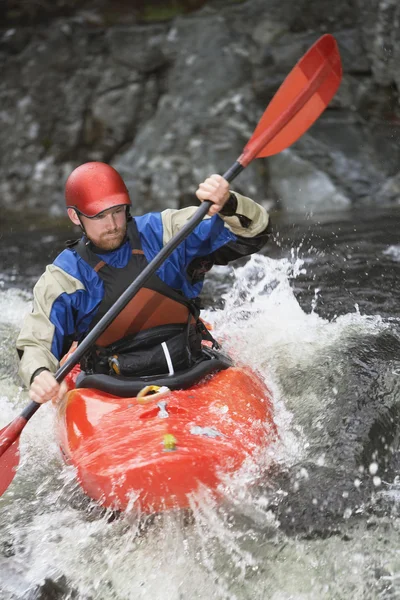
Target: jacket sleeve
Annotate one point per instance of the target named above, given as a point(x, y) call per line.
point(248, 229)
point(249, 220)
point(251, 226)
point(41, 338)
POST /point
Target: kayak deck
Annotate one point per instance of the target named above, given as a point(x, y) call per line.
point(157, 450)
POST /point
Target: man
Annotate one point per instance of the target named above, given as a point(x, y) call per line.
point(87, 278)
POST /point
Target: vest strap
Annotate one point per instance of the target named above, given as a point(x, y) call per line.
point(99, 265)
point(168, 358)
point(206, 335)
point(156, 332)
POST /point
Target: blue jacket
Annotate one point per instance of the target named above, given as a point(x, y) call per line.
point(68, 294)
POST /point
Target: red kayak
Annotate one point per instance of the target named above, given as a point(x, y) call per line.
point(155, 449)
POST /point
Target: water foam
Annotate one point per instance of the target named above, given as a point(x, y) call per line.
point(221, 551)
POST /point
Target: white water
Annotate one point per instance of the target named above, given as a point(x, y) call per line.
point(393, 252)
point(230, 551)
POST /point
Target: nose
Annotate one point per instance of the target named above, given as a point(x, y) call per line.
point(111, 221)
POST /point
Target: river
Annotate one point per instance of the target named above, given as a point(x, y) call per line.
point(317, 315)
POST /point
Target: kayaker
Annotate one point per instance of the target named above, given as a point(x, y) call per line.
point(159, 329)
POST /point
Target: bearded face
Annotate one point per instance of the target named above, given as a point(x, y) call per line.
point(106, 230)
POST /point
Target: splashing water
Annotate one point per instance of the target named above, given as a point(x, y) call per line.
point(237, 550)
point(393, 252)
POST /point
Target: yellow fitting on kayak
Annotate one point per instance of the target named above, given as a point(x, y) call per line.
point(169, 442)
point(114, 364)
point(151, 393)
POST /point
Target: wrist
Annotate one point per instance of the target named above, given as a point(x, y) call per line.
point(230, 207)
point(37, 372)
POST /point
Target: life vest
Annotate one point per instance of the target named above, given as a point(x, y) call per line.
point(157, 312)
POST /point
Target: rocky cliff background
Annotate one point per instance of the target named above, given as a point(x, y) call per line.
point(169, 92)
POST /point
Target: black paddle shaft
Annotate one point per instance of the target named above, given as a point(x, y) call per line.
point(132, 290)
point(138, 283)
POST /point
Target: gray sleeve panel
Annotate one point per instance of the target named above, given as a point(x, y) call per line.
point(174, 220)
point(256, 213)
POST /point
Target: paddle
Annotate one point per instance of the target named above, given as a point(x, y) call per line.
point(300, 100)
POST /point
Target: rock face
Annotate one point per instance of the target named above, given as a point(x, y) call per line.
point(167, 103)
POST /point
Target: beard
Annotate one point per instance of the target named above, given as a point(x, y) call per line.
point(111, 240)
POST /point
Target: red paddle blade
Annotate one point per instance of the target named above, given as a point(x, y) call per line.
point(9, 458)
point(300, 100)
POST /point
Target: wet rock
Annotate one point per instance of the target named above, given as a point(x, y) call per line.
point(140, 49)
point(304, 188)
point(391, 190)
point(168, 103)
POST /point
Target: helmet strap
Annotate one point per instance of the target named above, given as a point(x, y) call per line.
point(81, 224)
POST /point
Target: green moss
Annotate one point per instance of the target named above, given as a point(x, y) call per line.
point(112, 11)
point(47, 143)
point(164, 11)
point(18, 221)
point(159, 13)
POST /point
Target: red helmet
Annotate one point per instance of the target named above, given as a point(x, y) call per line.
point(94, 187)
